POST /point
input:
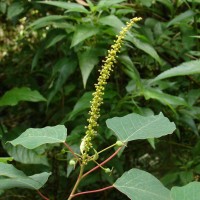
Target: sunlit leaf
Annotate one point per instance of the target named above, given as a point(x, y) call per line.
point(14, 178)
point(134, 126)
point(15, 95)
point(5, 159)
point(34, 137)
point(140, 185)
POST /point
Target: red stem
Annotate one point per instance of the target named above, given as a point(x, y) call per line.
point(71, 150)
point(42, 195)
point(93, 191)
point(104, 162)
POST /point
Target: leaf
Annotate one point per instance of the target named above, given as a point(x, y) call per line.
point(166, 99)
point(82, 104)
point(112, 21)
point(26, 156)
point(190, 191)
point(186, 68)
point(134, 126)
point(108, 4)
point(71, 7)
point(146, 48)
point(87, 60)
point(45, 21)
point(12, 178)
point(186, 15)
point(83, 32)
point(5, 159)
point(15, 95)
point(140, 185)
point(55, 39)
point(14, 9)
point(34, 137)
point(64, 68)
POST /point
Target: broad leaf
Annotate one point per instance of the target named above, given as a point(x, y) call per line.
point(186, 68)
point(71, 7)
point(82, 33)
point(15, 95)
point(12, 178)
point(190, 191)
point(34, 137)
point(15, 9)
point(134, 126)
point(140, 185)
point(107, 4)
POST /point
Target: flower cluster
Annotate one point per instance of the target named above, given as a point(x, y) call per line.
point(97, 100)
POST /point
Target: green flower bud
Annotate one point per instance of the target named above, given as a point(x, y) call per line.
point(107, 170)
point(119, 143)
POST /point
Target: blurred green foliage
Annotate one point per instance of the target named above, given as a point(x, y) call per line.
point(52, 51)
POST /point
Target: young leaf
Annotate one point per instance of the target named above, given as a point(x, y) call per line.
point(186, 68)
point(190, 191)
point(34, 137)
point(140, 185)
point(12, 178)
point(13, 96)
point(134, 126)
point(5, 159)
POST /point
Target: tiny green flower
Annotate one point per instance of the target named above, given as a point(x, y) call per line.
point(97, 100)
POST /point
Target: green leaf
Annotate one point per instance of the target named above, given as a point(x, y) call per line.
point(55, 39)
point(112, 21)
point(5, 159)
point(186, 68)
point(15, 95)
point(12, 178)
point(82, 104)
point(83, 32)
point(26, 156)
point(45, 21)
point(14, 9)
point(186, 15)
point(190, 191)
point(64, 68)
point(134, 126)
point(140, 185)
point(87, 60)
point(146, 48)
point(108, 4)
point(34, 137)
point(166, 99)
point(71, 7)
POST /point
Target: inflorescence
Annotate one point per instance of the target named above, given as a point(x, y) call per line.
point(97, 100)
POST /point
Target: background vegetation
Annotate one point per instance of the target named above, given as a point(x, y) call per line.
point(50, 56)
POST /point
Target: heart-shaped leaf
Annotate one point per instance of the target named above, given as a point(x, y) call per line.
point(140, 185)
point(134, 126)
point(34, 137)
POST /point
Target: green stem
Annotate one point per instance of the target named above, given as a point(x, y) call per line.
point(77, 182)
point(107, 148)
